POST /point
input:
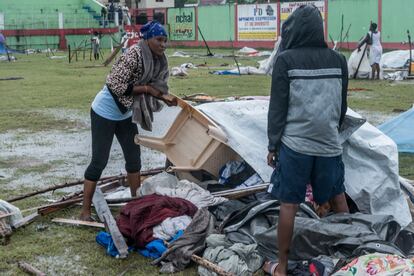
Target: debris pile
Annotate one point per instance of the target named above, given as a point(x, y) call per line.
point(210, 204)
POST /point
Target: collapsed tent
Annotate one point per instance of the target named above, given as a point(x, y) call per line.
point(370, 157)
point(339, 235)
point(400, 129)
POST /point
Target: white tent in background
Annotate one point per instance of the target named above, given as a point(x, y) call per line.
point(359, 59)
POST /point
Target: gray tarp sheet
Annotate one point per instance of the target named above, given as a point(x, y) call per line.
point(370, 157)
point(340, 236)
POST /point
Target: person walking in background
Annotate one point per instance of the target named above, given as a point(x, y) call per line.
point(95, 45)
point(120, 15)
point(126, 16)
point(307, 107)
point(104, 13)
point(137, 80)
point(111, 12)
point(373, 40)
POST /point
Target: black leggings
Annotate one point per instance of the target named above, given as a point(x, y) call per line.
point(103, 131)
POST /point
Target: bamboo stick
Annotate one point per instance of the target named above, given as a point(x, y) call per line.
point(60, 186)
point(210, 266)
point(103, 180)
point(79, 222)
point(30, 269)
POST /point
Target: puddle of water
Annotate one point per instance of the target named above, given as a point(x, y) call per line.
point(66, 154)
point(65, 264)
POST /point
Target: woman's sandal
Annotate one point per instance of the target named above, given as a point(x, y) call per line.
point(269, 267)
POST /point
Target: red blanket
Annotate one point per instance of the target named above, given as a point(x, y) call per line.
point(138, 217)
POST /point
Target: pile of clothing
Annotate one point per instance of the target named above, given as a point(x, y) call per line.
point(169, 222)
point(174, 219)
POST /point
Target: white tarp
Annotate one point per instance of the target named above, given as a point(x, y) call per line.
point(370, 157)
point(391, 60)
point(364, 70)
point(266, 65)
point(8, 208)
point(247, 50)
point(396, 59)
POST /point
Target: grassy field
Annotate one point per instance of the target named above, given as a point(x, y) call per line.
point(53, 90)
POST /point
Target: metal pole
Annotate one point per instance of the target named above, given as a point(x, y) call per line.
point(84, 49)
point(411, 55)
point(360, 61)
point(7, 52)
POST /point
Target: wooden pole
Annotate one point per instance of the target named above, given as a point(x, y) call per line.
point(113, 55)
point(103, 180)
point(105, 215)
point(84, 49)
point(26, 220)
point(230, 194)
point(50, 208)
point(60, 186)
point(209, 53)
point(411, 55)
point(79, 222)
point(210, 266)
point(360, 61)
point(7, 52)
point(30, 269)
point(238, 193)
point(342, 29)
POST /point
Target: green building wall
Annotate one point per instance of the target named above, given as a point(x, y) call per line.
point(216, 22)
point(357, 13)
point(397, 18)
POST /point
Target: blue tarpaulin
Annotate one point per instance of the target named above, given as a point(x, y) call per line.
point(10, 51)
point(401, 130)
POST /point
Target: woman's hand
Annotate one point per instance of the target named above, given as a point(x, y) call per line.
point(154, 92)
point(148, 89)
point(166, 98)
point(169, 100)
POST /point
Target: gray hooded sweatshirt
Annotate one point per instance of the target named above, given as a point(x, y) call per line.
point(308, 92)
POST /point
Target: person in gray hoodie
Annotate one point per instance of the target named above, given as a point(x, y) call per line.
point(307, 107)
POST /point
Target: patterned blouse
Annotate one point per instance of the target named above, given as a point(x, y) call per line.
point(125, 73)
